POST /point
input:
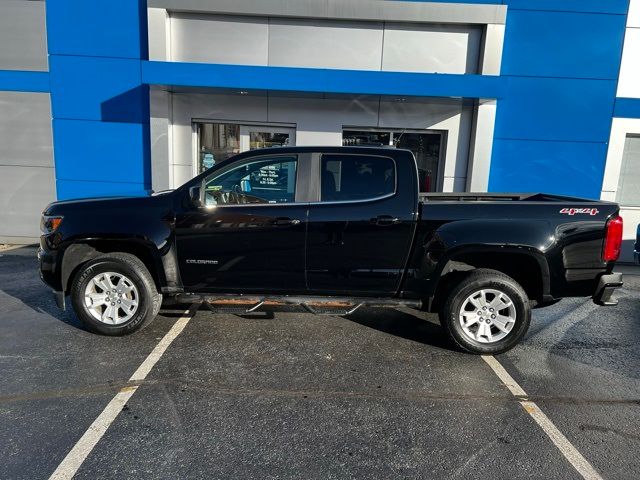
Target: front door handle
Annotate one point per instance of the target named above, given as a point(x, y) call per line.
point(286, 221)
point(383, 220)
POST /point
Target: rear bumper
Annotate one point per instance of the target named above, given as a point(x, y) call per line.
point(606, 286)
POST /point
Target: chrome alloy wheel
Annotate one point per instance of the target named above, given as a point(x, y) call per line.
point(111, 298)
point(487, 315)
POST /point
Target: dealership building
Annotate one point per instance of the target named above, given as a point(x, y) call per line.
point(119, 97)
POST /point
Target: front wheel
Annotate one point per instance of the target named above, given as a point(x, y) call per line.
point(114, 294)
point(487, 312)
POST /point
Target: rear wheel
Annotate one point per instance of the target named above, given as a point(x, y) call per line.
point(486, 312)
point(114, 294)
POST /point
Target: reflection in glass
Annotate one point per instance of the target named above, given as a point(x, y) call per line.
point(267, 140)
point(217, 142)
point(271, 180)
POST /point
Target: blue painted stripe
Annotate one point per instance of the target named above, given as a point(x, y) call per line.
point(627, 108)
point(321, 80)
point(617, 7)
point(23, 81)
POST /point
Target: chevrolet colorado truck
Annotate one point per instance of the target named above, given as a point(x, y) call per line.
point(323, 226)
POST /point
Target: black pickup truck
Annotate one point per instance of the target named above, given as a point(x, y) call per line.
point(327, 226)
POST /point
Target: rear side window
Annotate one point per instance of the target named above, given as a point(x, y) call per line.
point(356, 177)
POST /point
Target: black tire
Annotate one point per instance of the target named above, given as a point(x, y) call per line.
point(149, 301)
point(478, 280)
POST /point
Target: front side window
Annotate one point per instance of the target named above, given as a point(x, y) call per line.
point(268, 180)
point(356, 177)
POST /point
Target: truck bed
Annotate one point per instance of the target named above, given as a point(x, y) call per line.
point(498, 197)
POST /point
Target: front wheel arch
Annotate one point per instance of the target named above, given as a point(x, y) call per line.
point(78, 254)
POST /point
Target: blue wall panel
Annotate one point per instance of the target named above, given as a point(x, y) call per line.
point(562, 44)
point(553, 124)
point(95, 88)
point(594, 6)
point(72, 189)
point(99, 151)
point(97, 28)
point(627, 108)
point(556, 109)
point(22, 81)
point(99, 103)
point(244, 77)
point(569, 168)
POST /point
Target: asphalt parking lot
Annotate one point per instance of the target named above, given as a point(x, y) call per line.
point(377, 395)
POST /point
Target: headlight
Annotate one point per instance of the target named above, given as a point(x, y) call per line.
point(50, 223)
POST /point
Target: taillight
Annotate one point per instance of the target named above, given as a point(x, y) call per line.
point(612, 240)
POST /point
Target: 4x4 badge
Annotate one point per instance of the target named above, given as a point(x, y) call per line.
point(576, 211)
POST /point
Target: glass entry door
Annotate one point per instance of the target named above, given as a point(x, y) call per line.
point(218, 141)
point(253, 137)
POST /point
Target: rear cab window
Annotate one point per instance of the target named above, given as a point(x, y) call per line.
point(346, 178)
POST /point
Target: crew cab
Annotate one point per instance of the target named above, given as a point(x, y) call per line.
point(322, 226)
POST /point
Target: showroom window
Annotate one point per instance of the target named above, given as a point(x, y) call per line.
point(629, 180)
point(356, 177)
point(427, 147)
point(219, 141)
point(269, 180)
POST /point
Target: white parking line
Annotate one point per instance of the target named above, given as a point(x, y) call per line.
point(81, 450)
point(582, 466)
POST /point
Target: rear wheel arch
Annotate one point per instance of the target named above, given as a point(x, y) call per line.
point(527, 267)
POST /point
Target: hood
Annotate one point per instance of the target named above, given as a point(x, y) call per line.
point(102, 203)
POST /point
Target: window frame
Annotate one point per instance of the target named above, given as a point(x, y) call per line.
point(317, 168)
point(301, 193)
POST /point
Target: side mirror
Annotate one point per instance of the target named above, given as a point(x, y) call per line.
point(195, 195)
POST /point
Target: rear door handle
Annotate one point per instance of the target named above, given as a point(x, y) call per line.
point(385, 220)
point(286, 221)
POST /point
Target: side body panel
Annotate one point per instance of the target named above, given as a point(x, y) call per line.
point(242, 248)
point(567, 248)
point(361, 247)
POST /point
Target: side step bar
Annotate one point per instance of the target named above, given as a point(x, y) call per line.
point(252, 303)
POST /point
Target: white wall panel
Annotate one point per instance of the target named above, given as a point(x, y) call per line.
point(319, 121)
point(219, 39)
point(633, 19)
point(24, 192)
point(446, 115)
point(160, 107)
point(481, 146)
point(629, 82)
point(317, 43)
point(23, 35)
point(159, 34)
point(25, 129)
point(27, 180)
point(431, 48)
point(620, 128)
point(325, 44)
point(189, 106)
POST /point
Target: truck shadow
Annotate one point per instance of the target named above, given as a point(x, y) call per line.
point(19, 280)
point(409, 326)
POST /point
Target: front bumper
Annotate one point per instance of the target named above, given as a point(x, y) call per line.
point(48, 274)
point(606, 286)
point(47, 263)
